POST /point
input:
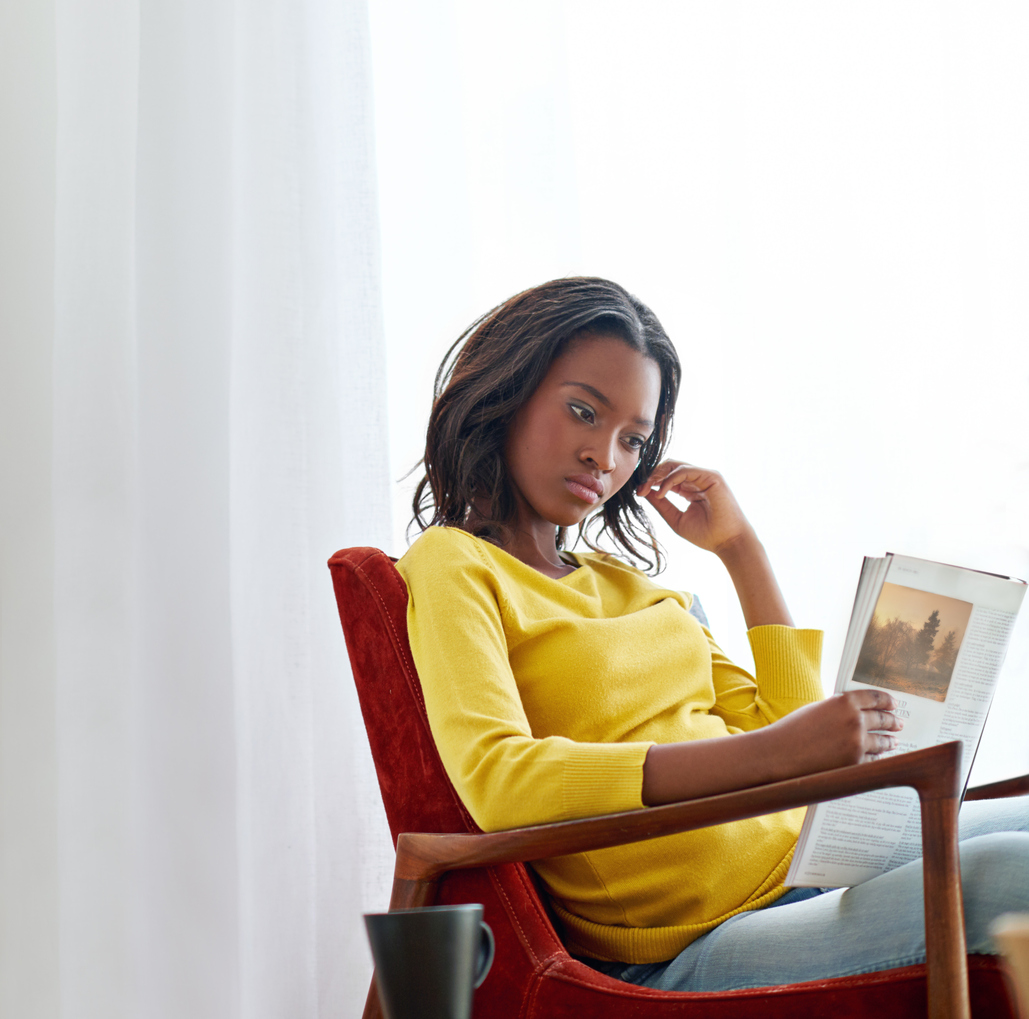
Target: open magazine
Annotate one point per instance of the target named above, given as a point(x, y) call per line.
point(935, 636)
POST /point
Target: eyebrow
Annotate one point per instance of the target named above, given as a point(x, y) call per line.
point(593, 391)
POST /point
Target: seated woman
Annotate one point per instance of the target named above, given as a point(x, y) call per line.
point(563, 684)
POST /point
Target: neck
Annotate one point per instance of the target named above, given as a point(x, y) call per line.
point(533, 543)
point(537, 547)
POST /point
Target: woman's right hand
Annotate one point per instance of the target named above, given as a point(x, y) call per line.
point(845, 729)
point(848, 728)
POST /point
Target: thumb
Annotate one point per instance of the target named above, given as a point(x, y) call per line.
point(670, 513)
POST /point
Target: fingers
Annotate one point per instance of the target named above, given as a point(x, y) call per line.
point(871, 722)
point(670, 513)
point(872, 697)
point(878, 707)
point(664, 476)
point(685, 478)
point(883, 721)
point(656, 476)
point(878, 744)
point(878, 719)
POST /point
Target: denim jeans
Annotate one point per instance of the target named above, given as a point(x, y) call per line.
point(812, 934)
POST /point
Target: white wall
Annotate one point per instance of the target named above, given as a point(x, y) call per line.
point(825, 205)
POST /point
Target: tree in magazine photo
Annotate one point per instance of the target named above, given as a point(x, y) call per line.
point(912, 642)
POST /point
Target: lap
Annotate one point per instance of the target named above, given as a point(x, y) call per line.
point(981, 817)
point(873, 926)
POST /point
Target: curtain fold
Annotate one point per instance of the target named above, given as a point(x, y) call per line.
point(196, 420)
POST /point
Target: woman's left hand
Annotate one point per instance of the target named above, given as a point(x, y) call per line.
point(713, 519)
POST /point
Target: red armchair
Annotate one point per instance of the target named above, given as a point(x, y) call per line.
point(533, 976)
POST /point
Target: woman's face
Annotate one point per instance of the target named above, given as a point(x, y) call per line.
point(577, 440)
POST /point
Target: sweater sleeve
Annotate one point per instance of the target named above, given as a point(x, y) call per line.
point(503, 774)
point(786, 664)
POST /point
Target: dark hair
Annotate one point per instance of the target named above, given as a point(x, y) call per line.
point(491, 372)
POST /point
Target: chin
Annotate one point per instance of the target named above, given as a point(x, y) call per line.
point(564, 518)
point(574, 519)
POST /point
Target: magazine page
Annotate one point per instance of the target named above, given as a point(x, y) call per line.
point(935, 639)
point(873, 573)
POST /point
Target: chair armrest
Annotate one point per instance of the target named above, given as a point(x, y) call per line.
point(423, 858)
point(997, 790)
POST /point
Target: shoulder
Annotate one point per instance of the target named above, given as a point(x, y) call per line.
point(441, 556)
point(442, 551)
point(442, 542)
point(450, 575)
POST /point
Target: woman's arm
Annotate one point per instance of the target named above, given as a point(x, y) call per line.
point(829, 734)
point(714, 521)
point(756, 587)
point(506, 775)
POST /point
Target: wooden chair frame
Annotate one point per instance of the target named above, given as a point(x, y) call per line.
point(423, 859)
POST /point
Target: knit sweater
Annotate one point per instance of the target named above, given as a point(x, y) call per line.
point(544, 697)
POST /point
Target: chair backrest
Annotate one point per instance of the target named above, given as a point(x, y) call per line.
point(372, 602)
point(416, 792)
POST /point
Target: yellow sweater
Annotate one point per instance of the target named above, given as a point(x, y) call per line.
point(544, 696)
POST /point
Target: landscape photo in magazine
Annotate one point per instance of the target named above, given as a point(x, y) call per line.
point(912, 642)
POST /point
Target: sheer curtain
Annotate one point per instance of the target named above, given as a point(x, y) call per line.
point(193, 418)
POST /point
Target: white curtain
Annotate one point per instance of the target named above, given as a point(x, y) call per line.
point(192, 408)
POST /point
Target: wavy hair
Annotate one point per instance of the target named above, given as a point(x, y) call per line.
point(493, 369)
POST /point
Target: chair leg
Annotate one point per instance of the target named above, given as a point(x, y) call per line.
point(946, 961)
point(412, 894)
point(372, 1008)
point(406, 894)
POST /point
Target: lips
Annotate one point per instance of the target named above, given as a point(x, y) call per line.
point(585, 487)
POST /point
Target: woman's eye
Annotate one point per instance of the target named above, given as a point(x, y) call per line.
point(583, 412)
point(635, 442)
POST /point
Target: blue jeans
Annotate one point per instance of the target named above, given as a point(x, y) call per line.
point(812, 934)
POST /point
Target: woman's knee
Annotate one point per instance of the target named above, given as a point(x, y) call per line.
point(983, 817)
point(994, 880)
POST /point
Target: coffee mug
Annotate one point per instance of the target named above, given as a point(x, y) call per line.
point(428, 961)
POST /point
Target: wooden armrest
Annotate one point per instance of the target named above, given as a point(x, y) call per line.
point(997, 790)
point(423, 858)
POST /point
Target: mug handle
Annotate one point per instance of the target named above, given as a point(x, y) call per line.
point(487, 949)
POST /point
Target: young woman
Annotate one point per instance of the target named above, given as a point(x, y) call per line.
point(565, 684)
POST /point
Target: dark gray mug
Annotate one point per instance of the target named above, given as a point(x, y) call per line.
point(428, 961)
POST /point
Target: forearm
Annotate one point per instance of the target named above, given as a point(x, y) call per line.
point(685, 771)
point(751, 572)
point(842, 730)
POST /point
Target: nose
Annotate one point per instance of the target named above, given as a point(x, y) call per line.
point(601, 454)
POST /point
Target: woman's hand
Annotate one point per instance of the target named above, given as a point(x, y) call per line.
point(713, 519)
point(847, 729)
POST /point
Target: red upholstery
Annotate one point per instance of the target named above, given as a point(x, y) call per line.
point(533, 976)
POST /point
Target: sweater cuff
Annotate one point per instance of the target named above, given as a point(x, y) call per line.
point(787, 662)
point(603, 778)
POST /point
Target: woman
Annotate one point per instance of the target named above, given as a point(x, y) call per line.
point(562, 685)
